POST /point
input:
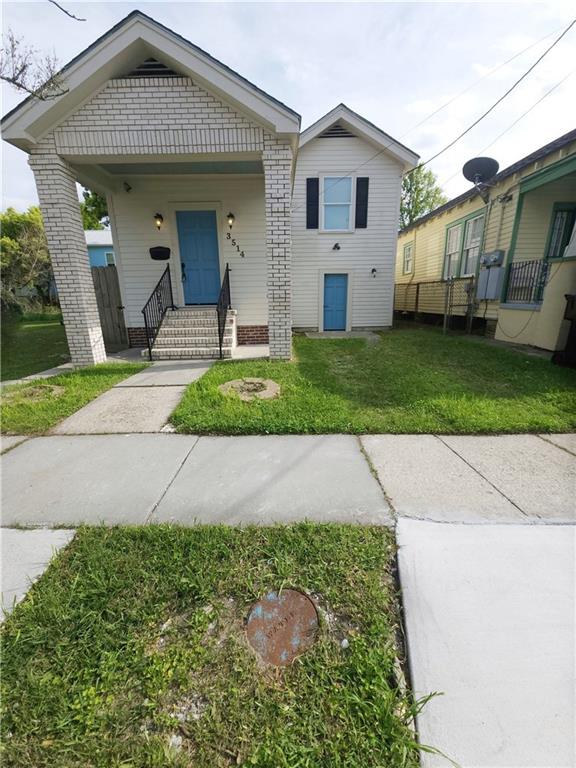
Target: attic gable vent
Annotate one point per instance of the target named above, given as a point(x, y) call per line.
point(152, 68)
point(336, 131)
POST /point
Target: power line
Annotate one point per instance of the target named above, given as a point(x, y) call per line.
point(436, 111)
point(475, 83)
point(522, 116)
point(500, 100)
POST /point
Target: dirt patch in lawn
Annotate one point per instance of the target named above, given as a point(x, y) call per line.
point(251, 389)
point(36, 393)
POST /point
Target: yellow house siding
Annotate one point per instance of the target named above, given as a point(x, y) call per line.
point(429, 237)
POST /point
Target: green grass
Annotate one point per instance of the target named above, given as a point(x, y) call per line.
point(34, 407)
point(130, 625)
point(32, 346)
point(412, 381)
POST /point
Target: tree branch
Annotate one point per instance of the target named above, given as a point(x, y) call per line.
point(71, 15)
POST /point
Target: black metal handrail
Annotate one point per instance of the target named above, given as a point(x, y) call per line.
point(224, 304)
point(526, 281)
point(161, 299)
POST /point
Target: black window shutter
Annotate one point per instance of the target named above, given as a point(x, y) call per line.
point(312, 201)
point(362, 202)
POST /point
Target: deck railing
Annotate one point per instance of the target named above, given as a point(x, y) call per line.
point(161, 299)
point(525, 282)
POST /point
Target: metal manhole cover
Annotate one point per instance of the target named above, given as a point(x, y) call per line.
point(281, 626)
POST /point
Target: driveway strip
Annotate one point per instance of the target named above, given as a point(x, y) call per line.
point(489, 612)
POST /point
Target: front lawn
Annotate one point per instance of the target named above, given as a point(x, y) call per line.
point(412, 381)
point(32, 346)
point(34, 407)
point(131, 651)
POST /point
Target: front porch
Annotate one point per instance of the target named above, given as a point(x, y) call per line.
point(542, 262)
point(169, 135)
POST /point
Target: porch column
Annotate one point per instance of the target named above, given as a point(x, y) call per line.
point(277, 162)
point(56, 185)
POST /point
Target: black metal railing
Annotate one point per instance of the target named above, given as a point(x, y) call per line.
point(161, 299)
point(224, 304)
point(525, 282)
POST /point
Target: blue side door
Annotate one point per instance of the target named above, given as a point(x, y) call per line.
point(335, 301)
point(198, 241)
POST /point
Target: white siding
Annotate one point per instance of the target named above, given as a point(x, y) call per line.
point(360, 251)
point(135, 232)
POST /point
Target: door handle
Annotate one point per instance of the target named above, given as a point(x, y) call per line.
point(183, 272)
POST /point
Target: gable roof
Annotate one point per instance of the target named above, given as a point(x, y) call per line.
point(519, 165)
point(124, 47)
point(363, 128)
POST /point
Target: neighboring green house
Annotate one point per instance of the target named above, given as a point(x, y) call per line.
point(100, 247)
point(525, 230)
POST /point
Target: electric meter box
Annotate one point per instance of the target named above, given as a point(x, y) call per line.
point(492, 259)
point(489, 286)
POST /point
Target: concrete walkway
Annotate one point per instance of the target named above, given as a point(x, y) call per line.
point(140, 403)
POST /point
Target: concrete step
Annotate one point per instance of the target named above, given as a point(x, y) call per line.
point(200, 322)
point(192, 312)
point(193, 332)
point(190, 353)
point(185, 341)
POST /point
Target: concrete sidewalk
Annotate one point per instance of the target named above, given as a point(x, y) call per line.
point(138, 478)
point(25, 556)
point(135, 479)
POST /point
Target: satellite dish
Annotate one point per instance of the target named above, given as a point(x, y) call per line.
point(479, 170)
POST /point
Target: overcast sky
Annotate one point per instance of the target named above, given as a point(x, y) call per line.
point(394, 63)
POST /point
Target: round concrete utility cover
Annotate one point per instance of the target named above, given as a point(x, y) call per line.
point(281, 626)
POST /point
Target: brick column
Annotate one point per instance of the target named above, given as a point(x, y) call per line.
point(56, 185)
point(277, 162)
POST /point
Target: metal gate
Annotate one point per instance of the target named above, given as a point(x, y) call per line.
point(110, 307)
point(459, 299)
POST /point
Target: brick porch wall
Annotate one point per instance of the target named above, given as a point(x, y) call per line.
point(137, 337)
point(252, 334)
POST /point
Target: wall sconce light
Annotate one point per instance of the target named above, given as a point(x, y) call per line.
point(373, 271)
point(231, 219)
point(158, 220)
point(336, 247)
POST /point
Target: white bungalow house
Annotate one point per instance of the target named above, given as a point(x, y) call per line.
point(228, 224)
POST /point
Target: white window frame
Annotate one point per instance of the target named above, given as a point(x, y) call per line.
point(457, 252)
point(468, 223)
point(411, 247)
point(108, 262)
point(351, 219)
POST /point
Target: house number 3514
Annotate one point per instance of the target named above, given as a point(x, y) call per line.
point(234, 243)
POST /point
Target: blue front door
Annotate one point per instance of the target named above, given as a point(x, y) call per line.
point(198, 241)
point(335, 301)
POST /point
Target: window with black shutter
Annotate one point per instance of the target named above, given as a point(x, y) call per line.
point(312, 202)
point(362, 202)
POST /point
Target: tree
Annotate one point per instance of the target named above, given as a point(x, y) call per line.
point(420, 195)
point(26, 69)
point(94, 210)
point(24, 260)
